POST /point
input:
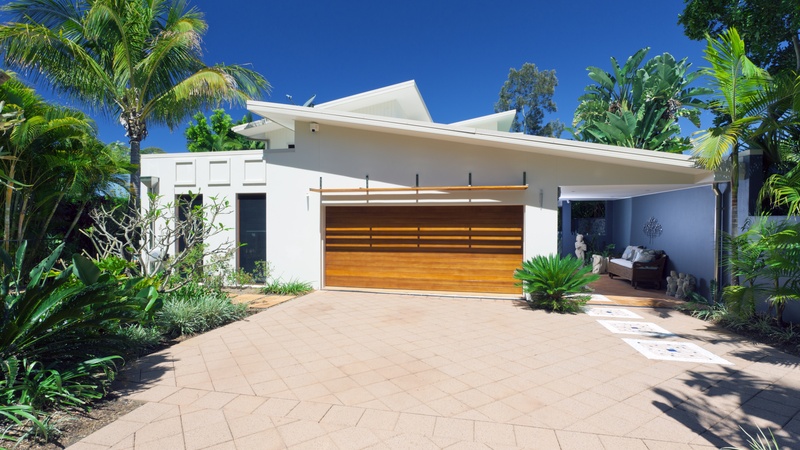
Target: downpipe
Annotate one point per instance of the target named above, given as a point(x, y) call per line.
point(717, 246)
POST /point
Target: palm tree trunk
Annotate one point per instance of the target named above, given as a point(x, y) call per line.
point(47, 222)
point(7, 215)
point(136, 175)
point(75, 220)
point(23, 214)
point(796, 45)
point(134, 202)
point(734, 206)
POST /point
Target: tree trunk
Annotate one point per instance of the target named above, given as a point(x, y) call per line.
point(136, 175)
point(75, 220)
point(734, 206)
point(47, 223)
point(796, 45)
point(134, 203)
point(7, 215)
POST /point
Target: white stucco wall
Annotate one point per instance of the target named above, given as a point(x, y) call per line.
point(218, 174)
point(343, 157)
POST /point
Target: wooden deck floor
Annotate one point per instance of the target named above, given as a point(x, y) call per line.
point(620, 292)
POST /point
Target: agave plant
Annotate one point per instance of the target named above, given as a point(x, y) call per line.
point(555, 283)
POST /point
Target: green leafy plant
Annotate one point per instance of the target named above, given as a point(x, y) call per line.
point(760, 441)
point(64, 316)
point(555, 283)
point(28, 390)
point(198, 313)
point(291, 287)
point(766, 258)
point(262, 271)
point(240, 278)
point(140, 339)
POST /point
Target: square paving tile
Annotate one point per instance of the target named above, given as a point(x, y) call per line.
point(639, 328)
point(675, 351)
point(596, 311)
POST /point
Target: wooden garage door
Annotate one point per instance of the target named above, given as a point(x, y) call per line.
point(440, 248)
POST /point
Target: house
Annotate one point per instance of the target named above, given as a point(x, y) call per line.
point(369, 192)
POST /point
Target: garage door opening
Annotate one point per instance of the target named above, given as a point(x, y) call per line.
point(432, 248)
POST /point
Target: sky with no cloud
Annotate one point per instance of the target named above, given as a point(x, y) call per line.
point(458, 52)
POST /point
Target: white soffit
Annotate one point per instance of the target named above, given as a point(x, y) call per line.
point(497, 122)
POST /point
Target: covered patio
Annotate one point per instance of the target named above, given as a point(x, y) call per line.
point(620, 292)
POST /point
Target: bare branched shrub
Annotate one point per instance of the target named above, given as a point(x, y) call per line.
point(167, 240)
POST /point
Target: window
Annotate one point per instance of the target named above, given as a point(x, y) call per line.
point(252, 231)
point(185, 205)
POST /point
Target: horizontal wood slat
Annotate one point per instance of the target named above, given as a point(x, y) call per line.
point(451, 248)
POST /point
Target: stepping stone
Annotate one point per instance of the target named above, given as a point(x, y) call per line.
point(640, 328)
point(675, 351)
point(612, 312)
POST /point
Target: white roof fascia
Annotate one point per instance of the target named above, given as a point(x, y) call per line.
point(498, 139)
point(498, 122)
point(406, 94)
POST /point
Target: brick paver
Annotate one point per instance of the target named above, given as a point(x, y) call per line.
point(346, 370)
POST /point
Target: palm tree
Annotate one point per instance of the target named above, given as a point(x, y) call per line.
point(139, 60)
point(29, 151)
point(740, 89)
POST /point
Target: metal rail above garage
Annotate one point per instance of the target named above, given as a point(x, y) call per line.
point(520, 187)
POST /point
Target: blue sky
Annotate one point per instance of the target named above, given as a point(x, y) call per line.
point(459, 52)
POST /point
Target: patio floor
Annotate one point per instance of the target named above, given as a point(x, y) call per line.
point(353, 370)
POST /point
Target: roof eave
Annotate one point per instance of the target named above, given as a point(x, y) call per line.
point(535, 144)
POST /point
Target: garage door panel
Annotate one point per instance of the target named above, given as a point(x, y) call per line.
point(441, 263)
point(453, 248)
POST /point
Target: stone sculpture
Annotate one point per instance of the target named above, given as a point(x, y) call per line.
point(681, 285)
point(580, 247)
point(599, 264)
point(672, 283)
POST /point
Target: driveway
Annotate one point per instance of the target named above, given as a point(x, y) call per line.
point(354, 370)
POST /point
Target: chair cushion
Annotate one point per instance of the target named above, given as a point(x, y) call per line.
point(621, 262)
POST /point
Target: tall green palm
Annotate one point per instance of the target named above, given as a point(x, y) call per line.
point(46, 131)
point(740, 87)
point(140, 60)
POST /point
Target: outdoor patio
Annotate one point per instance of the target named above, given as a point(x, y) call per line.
point(348, 370)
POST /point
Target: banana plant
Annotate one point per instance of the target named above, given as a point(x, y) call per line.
point(639, 106)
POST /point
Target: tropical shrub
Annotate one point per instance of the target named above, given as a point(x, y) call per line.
point(639, 105)
point(759, 442)
point(239, 278)
point(766, 259)
point(291, 287)
point(192, 310)
point(139, 339)
point(757, 327)
point(64, 316)
point(57, 342)
point(186, 224)
point(555, 283)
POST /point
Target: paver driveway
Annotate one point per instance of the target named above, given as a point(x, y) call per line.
point(357, 370)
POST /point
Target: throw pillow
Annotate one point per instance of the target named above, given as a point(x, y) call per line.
point(644, 256)
point(630, 252)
